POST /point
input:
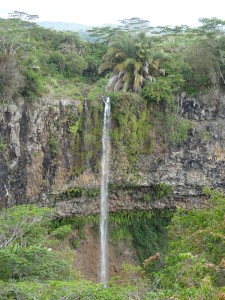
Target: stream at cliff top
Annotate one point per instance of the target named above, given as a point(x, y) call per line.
point(104, 192)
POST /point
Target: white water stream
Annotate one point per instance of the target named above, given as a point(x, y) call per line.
point(104, 192)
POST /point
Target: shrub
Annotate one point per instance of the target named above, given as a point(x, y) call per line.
point(31, 262)
point(75, 243)
point(62, 231)
point(74, 192)
point(193, 264)
point(23, 224)
point(162, 189)
point(159, 91)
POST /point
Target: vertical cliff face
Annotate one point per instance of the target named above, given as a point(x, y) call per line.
point(36, 153)
point(46, 156)
point(199, 160)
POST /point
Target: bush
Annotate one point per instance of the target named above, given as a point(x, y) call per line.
point(162, 190)
point(75, 243)
point(159, 91)
point(74, 192)
point(31, 262)
point(70, 290)
point(62, 231)
point(181, 128)
point(194, 262)
point(23, 224)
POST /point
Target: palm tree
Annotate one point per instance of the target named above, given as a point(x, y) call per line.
point(130, 59)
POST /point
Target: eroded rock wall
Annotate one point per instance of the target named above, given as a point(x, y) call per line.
point(38, 159)
point(36, 155)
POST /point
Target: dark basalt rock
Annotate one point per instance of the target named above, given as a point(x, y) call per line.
point(33, 171)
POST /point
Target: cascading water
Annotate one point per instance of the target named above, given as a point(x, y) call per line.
point(86, 106)
point(104, 191)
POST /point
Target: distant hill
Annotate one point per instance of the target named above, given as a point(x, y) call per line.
point(64, 26)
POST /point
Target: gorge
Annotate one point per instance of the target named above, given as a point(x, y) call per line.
point(39, 160)
point(158, 216)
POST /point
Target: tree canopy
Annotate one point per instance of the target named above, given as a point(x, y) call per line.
point(130, 56)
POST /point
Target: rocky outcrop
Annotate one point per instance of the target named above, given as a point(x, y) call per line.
point(199, 161)
point(126, 200)
point(38, 159)
point(31, 137)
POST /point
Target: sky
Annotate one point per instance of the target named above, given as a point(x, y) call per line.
point(101, 12)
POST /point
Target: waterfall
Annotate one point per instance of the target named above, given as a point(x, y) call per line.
point(104, 192)
point(86, 106)
point(86, 131)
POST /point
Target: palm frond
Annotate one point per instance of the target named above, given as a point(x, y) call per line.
point(111, 83)
point(127, 79)
point(119, 68)
point(120, 55)
point(150, 78)
point(129, 62)
point(137, 67)
point(104, 66)
point(118, 85)
point(138, 82)
point(155, 64)
point(145, 69)
point(128, 56)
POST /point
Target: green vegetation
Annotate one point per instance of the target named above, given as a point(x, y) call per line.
point(160, 91)
point(144, 230)
point(2, 145)
point(76, 192)
point(24, 253)
point(157, 191)
point(73, 192)
point(162, 189)
point(143, 70)
point(131, 128)
point(53, 146)
point(31, 263)
point(58, 290)
point(92, 193)
point(180, 129)
point(184, 260)
point(131, 60)
point(23, 225)
point(194, 264)
point(38, 61)
point(62, 231)
point(151, 193)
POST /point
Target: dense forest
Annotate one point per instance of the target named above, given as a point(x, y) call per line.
point(137, 66)
point(153, 62)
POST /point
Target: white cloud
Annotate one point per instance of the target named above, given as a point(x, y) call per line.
point(98, 12)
